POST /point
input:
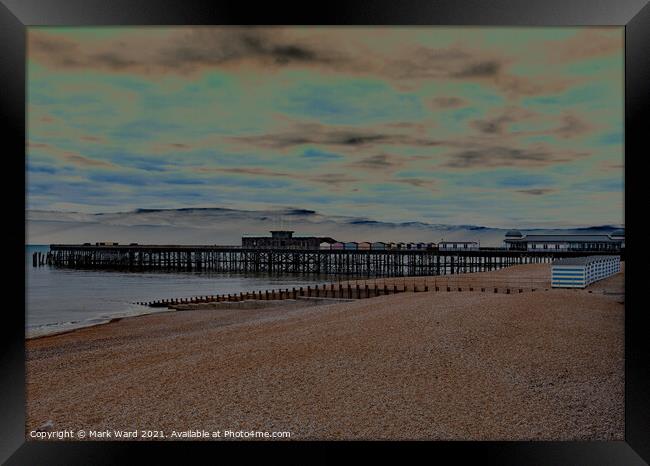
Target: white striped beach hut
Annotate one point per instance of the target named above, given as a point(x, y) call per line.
point(580, 272)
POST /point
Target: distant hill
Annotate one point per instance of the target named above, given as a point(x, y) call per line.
point(217, 225)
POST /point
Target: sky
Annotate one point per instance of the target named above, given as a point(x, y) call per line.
point(502, 127)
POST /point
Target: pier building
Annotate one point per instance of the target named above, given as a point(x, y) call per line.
point(284, 239)
point(612, 242)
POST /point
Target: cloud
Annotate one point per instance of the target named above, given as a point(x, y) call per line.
point(59, 50)
point(490, 157)
point(291, 139)
point(353, 51)
point(111, 60)
point(493, 125)
point(455, 62)
point(611, 167)
point(417, 182)
point(171, 147)
point(91, 139)
point(334, 179)
point(536, 191)
point(515, 87)
point(586, 44)
point(252, 171)
point(496, 125)
point(182, 50)
point(376, 162)
point(80, 160)
point(448, 102)
point(68, 156)
point(412, 122)
point(203, 47)
point(190, 50)
point(326, 135)
point(483, 69)
point(571, 127)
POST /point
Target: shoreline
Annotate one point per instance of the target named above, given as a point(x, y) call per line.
point(85, 325)
point(500, 277)
point(76, 329)
point(436, 366)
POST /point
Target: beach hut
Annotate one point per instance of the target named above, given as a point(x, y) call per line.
point(579, 272)
point(458, 246)
point(378, 245)
point(352, 245)
point(338, 245)
point(325, 245)
point(364, 245)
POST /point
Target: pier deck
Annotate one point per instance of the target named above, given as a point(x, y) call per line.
point(370, 263)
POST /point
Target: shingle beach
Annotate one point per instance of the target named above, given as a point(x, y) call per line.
point(542, 365)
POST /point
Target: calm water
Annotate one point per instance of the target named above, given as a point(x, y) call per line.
point(60, 299)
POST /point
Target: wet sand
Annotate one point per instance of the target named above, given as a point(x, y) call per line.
point(543, 365)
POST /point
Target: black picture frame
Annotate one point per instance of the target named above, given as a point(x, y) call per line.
point(634, 15)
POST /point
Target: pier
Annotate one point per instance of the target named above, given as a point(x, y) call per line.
point(234, 259)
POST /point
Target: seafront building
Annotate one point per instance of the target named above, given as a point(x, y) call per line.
point(284, 239)
point(579, 272)
point(514, 240)
point(613, 242)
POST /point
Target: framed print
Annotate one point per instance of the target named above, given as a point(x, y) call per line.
point(371, 226)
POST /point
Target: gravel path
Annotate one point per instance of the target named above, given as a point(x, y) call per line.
point(546, 365)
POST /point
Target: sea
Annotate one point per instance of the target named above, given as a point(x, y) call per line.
point(63, 299)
